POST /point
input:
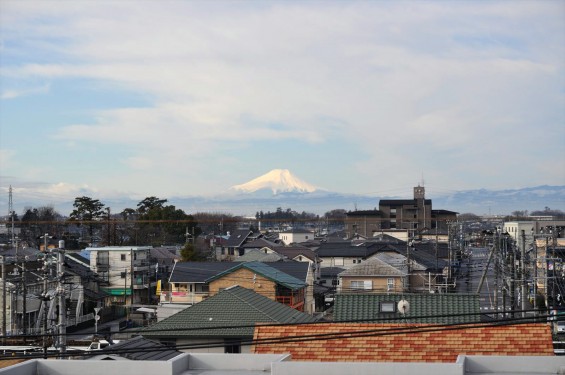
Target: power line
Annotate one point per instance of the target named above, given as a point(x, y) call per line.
point(399, 329)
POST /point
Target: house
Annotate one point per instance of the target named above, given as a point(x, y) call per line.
point(233, 246)
point(291, 236)
point(342, 254)
point(124, 272)
point(373, 276)
point(302, 254)
point(430, 308)
point(227, 317)
point(265, 280)
point(329, 276)
point(369, 342)
point(419, 280)
point(260, 244)
point(189, 282)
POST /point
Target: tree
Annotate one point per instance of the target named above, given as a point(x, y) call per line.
point(36, 222)
point(468, 217)
point(159, 224)
point(189, 254)
point(87, 210)
point(150, 203)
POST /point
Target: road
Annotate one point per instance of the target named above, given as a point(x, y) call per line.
point(469, 277)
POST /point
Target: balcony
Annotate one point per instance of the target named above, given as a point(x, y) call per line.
point(183, 297)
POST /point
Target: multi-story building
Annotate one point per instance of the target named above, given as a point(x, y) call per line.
point(124, 272)
point(413, 215)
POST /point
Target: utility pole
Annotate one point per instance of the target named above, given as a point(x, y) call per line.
point(132, 273)
point(485, 270)
point(45, 294)
point(25, 320)
point(3, 300)
point(496, 267)
point(11, 212)
point(524, 279)
point(108, 229)
point(512, 278)
point(62, 326)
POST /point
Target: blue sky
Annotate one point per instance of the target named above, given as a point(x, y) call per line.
point(179, 98)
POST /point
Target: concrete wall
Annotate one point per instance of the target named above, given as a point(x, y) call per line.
point(245, 349)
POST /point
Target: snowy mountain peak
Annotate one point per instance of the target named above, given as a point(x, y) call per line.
point(278, 181)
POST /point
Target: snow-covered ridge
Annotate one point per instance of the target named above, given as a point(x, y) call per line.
point(278, 181)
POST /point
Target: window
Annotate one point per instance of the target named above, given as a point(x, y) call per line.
point(361, 284)
point(387, 307)
point(390, 284)
point(232, 346)
point(122, 257)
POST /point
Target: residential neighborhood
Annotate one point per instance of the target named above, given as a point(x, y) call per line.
point(422, 286)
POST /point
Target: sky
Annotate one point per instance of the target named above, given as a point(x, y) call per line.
point(114, 99)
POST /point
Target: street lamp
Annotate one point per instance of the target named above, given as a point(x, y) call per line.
point(96, 319)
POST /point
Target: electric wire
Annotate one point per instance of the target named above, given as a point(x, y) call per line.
point(398, 329)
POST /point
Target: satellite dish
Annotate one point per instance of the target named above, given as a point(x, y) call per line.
point(403, 306)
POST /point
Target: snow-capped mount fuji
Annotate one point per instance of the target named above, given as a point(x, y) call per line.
point(277, 181)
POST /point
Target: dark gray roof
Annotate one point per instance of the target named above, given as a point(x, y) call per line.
point(197, 272)
point(341, 249)
point(366, 307)
point(141, 349)
point(163, 255)
point(260, 243)
point(330, 271)
point(235, 307)
point(292, 252)
point(77, 264)
point(237, 237)
point(296, 269)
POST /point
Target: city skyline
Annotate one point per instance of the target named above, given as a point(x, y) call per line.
point(114, 100)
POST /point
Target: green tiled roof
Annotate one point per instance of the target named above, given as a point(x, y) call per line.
point(366, 307)
point(267, 271)
point(235, 306)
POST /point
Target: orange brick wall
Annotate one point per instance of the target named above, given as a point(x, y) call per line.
point(244, 278)
point(434, 346)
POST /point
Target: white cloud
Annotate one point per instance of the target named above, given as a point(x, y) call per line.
point(412, 84)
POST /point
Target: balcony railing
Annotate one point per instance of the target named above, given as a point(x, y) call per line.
point(183, 297)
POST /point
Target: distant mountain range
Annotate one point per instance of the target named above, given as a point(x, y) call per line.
point(280, 188)
point(277, 181)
